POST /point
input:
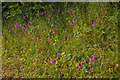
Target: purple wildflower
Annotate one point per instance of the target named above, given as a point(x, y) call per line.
point(53, 32)
point(93, 62)
point(69, 41)
point(79, 66)
point(21, 32)
point(94, 34)
point(103, 5)
point(55, 26)
point(27, 15)
point(50, 12)
point(49, 60)
point(17, 33)
point(37, 38)
point(48, 38)
point(53, 61)
point(74, 61)
point(42, 13)
point(43, 50)
point(94, 23)
point(38, 49)
point(94, 57)
point(77, 69)
point(101, 9)
point(38, 14)
point(24, 16)
point(70, 13)
point(57, 66)
point(71, 24)
point(90, 59)
point(106, 11)
point(31, 23)
point(100, 56)
point(74, 56)
point(49, 16)
point(12, 28)
point(33, 38)
point(28, 25)
point(89, 35)
point(91, 70)
point(58, 54)
point(88, 41)
point(79, 36)
point(16, 27)
point(58, 10)
point(90, 66)
point(9, 30)
point(61, 71)
point(63, 13)
point(74, 21)
point(20, 25)
point(81, 63)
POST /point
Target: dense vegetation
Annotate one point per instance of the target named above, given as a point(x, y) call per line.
point(60, 40)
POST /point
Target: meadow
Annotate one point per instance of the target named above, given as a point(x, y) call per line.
point(61, 40)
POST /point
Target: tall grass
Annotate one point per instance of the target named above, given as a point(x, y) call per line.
point(81, 29)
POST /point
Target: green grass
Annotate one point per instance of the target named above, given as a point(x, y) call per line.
point(21, 58)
